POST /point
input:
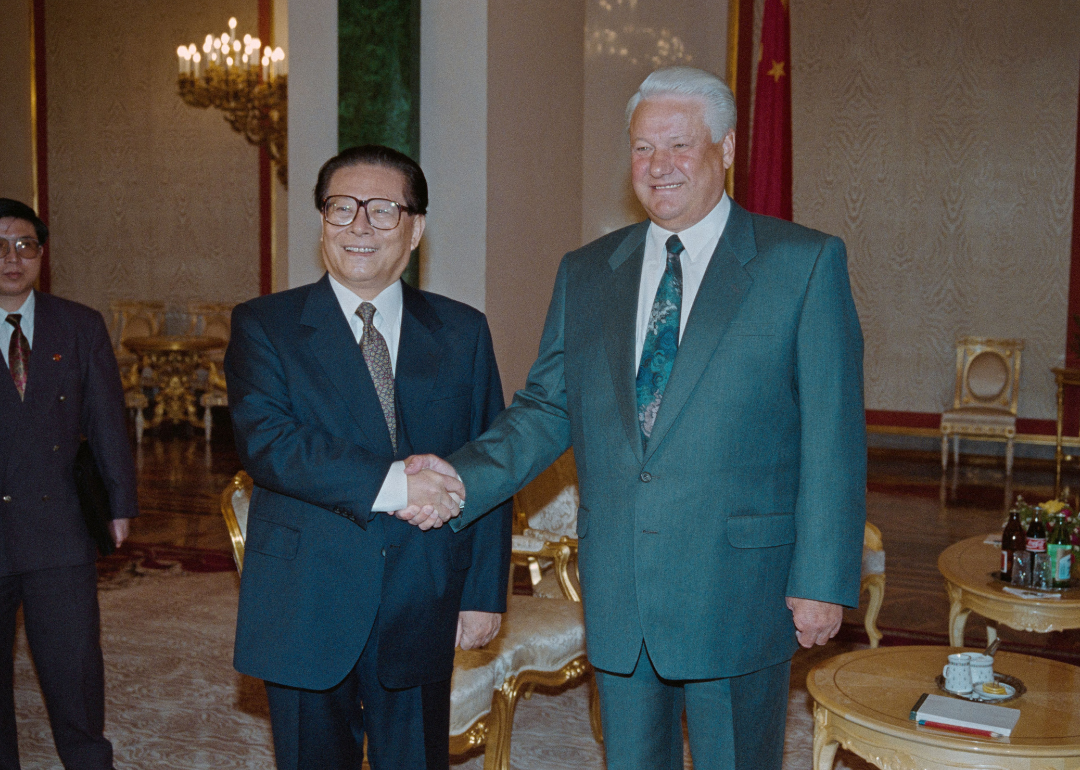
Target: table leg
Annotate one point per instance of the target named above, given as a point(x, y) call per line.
point(991, 633)
point(958, 615)
point(825, 746)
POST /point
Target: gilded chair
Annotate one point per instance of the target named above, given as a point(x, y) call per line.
point(873, 580)
point(984, 405)
point(211, 319)
point(131, 318)
point(486, 682)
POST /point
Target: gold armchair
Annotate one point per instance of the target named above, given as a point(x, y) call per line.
point(132, 318)
point(234, 509)
point(212, 319)
point(984, 405)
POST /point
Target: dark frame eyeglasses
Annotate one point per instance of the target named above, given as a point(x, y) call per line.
point(24, 246)
point(382, 214)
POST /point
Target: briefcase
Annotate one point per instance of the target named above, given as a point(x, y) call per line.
point(93, 499)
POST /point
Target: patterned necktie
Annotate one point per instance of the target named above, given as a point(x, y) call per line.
point(661, 340)
point(377, 358)
point(18, 354)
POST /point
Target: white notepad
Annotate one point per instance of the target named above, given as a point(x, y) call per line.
point(967, 714)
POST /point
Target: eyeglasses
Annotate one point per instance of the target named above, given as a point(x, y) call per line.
point(341, 210)
point(26, 248)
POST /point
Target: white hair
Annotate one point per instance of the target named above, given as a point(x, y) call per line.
point(718, 100)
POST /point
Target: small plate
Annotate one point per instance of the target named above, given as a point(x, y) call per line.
point(1014, 688)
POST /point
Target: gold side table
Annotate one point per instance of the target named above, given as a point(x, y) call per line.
point(173, 361)
point(967, 567)
point(863, 699)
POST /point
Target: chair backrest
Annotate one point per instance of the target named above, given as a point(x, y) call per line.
point(987, 373)
point(234, 509)
point(133, 318)
point(210, 319)
point(550, 502)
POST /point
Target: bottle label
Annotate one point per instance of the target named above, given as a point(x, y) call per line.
point(1036, 545)
point(1006, 562)
point(1060, 563)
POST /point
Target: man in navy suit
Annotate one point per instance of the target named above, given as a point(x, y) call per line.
point(350, 615)
point(63, 383)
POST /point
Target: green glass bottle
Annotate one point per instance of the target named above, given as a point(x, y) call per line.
point(1059, 555)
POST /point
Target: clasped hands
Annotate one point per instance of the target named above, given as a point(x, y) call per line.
point(436, 494)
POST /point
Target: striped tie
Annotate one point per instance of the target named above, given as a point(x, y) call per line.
point(661, 340)
point(18, 354)
point(377, 358)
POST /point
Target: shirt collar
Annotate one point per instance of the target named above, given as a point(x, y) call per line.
point(387, 304)
point(26, 310)
point(698, 236)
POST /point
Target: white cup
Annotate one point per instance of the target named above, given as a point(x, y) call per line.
point(958, 673)
point(982, 668)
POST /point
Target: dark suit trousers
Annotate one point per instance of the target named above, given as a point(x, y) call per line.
point(324, 730)
point(60, 609)
point(735, 723)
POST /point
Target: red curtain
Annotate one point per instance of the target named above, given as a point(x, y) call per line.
point(769, 183)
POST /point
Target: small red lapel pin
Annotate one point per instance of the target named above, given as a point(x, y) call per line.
point(56, 357)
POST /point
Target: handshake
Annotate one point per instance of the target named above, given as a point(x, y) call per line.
point(436, 494)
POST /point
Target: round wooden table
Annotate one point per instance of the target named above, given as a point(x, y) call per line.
point(173, 361)
point(967, 567)
point(863, 702)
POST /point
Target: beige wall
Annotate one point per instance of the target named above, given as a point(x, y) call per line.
point(625, 40)
point(534, 168)
point(16, 147)
point(149, 198)
point(939, 139)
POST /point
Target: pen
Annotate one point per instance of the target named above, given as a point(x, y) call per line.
point(959, 729)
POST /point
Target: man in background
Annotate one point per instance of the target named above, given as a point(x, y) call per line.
point(706, 367)
point(63, 383)
point(350, 615)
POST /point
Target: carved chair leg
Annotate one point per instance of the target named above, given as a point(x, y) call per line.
point(208, 423)
point(140, 425)
point(1009, 456)
point(944, 451)
point(958, 615)
point(956, 449)
point(501, 723)
point(875, 586)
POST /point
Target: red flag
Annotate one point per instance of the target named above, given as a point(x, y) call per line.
point(769, 190)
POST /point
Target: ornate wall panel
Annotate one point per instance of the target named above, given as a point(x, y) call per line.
point(938, 139)
point(149, 198)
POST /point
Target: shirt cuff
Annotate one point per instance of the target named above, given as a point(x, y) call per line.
point(394, 493)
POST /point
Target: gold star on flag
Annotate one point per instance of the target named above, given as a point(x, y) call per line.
point(777, 71)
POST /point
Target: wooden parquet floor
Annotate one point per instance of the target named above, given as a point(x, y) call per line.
point(919, 512)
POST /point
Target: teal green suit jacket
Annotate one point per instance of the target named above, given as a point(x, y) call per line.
point(753, 484)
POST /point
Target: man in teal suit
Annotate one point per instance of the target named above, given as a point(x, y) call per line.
point(706, 367)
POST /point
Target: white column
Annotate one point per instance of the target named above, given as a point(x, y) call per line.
point(453, 146)
point(313, 122)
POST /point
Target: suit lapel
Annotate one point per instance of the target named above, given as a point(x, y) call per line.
point(51, 353)
point(620, 328)
point(332, 343)
point(418, 361)
point(722, 289)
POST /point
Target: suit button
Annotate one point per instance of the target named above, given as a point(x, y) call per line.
point(56, 448)
point(44, 498)
point(7, 498)
point(63, 398)
point(645, 476)
point(384, 552)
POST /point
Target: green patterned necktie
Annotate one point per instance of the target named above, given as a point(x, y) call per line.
point(661, 340)
point(18, 354)
point(377, 358)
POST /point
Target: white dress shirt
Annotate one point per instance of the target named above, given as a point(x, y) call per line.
point(26, 324)
point(699, 241)
point(394, 493)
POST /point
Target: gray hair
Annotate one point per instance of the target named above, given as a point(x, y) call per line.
point(688, 81)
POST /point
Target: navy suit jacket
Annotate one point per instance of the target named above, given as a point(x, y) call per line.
point(73, 388)
point(319, 567)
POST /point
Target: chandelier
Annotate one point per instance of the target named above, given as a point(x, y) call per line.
point(248, 84)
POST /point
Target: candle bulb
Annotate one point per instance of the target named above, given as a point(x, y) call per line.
point(266, 69)
point(196, 58)
point(181, 52)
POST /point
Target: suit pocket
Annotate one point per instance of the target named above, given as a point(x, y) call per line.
point(272, 539)
point(582, 522)
point(761, 530)
point(751, 330)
